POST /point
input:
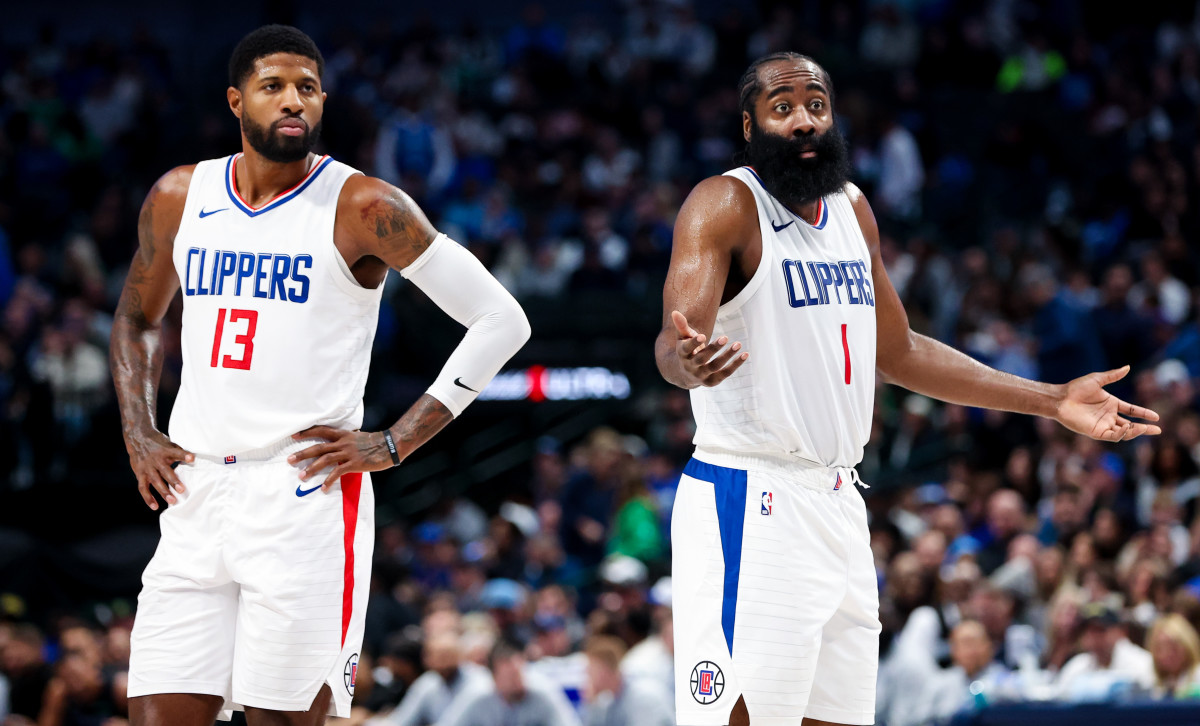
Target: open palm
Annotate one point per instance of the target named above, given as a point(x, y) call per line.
point(1090, 410)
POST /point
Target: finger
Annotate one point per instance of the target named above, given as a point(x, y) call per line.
point(183, 455)
point(172, 479)
point(328, 460)
point(158, 480)
point(1141, 429)
point(719, 362)
point(1136, 411)
point(689, 346)
point(328, 433)
point(727, 371)
point(312, 452)
point(1116, 374)
point(147, 497)
point(334, 475)
point(703, 357)
point(681, 325)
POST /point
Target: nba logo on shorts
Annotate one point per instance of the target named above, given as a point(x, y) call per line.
point(708, 682)
point(231, 459)
point(838, 484)
point(767, 498)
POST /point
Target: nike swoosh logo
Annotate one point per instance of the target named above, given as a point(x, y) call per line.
point(458, 382)
point(779, 227)
point(304, 492)
point(204, 214)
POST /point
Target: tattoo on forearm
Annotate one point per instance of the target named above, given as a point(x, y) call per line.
point(426, 417)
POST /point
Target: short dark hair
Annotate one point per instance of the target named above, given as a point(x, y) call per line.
point(750, 86)
point(267, 40)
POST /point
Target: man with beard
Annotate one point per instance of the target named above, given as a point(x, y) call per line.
point(256, 596)
point(777, 607)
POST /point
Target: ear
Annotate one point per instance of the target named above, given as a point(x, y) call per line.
point(234, 97)
point(747, 125)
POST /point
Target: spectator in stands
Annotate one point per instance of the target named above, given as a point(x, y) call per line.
point(1110, 666)
point(613, 699)
point(517, 698)
point(445, 689)
point(1175, 647)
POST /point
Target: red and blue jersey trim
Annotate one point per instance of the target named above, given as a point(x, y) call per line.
point(282, 198)
point(822, 207)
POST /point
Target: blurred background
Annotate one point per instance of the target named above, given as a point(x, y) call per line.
point(1035, 169)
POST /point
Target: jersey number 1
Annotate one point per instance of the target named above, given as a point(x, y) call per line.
point(246, 340)
point(845, 349)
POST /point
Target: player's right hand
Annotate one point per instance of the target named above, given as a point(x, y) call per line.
point(153, 457)
point(708, 364)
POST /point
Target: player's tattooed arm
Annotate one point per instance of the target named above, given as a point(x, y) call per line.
point(377, 220)
point(350, 451)
point(714, 223)
point(135, 353)
point(927, 366)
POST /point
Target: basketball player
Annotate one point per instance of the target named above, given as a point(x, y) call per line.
point(777, 314)
point(256, 595)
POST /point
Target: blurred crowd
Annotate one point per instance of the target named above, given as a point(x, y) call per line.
point(1035, 169)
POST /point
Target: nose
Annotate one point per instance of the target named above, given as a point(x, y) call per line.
point(805, 124)
point(290, 100)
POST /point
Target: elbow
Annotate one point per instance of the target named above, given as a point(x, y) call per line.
point(521, 330)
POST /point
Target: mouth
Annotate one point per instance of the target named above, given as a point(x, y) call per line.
point(291, 127)
point(808, 154)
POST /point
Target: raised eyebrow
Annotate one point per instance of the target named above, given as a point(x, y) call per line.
point(816, 86)
point(780, 89)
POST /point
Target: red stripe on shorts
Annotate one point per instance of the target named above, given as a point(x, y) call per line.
point(351, 486)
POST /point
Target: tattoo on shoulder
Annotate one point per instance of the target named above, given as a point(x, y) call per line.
point(395, 220)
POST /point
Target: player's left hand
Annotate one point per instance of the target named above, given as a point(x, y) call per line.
point(345, 451)
point(1086, 408)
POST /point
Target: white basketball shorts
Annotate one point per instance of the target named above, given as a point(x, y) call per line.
point(258, 589)
point(775, 593)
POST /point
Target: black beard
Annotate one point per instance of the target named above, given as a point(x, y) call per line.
point(276, 147)
point(791, 179)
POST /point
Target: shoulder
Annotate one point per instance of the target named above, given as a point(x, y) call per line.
point(172, 187)
point(722, 195)
point(164, 203)
point(720, 208)
point(864, 214)
point(375, 204)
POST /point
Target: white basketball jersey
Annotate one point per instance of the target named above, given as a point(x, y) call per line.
point(276, 333)
point(807, 319)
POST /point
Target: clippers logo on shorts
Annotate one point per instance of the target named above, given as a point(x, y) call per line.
point(231, 459)
point(351, 673)
point(708, 682)
point(838, 484)
point(767, 499)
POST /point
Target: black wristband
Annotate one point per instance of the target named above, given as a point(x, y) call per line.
point(391, 444)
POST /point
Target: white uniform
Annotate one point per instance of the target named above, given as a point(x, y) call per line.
point(276, 338)
point(771, 563)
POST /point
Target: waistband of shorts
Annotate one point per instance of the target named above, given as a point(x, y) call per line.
point(807, 473)
point(274, 451)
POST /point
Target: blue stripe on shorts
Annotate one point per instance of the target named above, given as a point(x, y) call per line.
point(729, 486)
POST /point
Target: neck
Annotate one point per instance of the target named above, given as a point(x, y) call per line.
point(259, 180)
point(806, 210)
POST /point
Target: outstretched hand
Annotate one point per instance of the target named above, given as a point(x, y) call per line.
point(1088, 409)
point(701, 362)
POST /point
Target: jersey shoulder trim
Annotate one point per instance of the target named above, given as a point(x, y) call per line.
point(283, 197)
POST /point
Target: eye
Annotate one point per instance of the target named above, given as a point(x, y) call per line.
point(817, 104)
point(783, 107)
point(271, 86)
